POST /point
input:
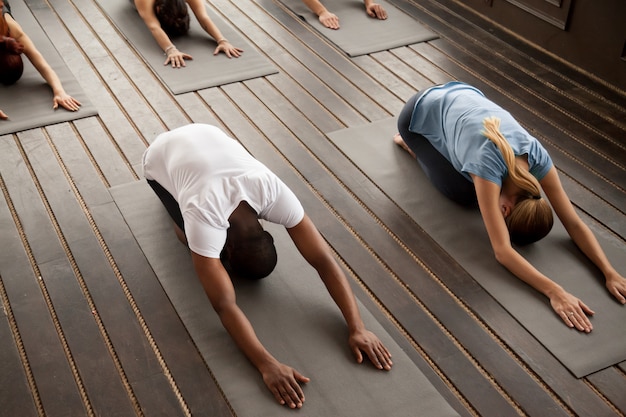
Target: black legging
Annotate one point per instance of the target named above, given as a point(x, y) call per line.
point(171, 205)
point(437, 168)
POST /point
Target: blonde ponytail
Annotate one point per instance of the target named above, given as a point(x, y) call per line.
point(531, 219)
point(520, 177)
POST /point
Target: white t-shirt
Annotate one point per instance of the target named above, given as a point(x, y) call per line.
point(209, 174)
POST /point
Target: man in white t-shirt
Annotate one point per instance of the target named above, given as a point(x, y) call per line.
point(216, 192)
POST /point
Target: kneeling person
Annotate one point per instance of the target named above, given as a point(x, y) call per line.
point(216, 192)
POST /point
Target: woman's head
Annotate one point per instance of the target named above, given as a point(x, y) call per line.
point(173, 16)
point(252, 257)
point(531, 218)
point(11, 64)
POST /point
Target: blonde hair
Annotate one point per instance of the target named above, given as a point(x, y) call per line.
point(531, 219)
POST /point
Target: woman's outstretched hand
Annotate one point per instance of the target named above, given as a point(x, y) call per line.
point(329, 20)
point(66, 101)
point(572, 311)
point(176, 58)
point(230, 50)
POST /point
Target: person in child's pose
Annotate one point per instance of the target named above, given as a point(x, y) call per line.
point(170, 18)
point(13, 43)
point(216, 192)
point(475, 152)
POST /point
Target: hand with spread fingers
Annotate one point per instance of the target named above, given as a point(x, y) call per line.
point(231, 51)
point(329, 20)
point(616, 284)
point(376, 10)
point(66, 101)
point(367, 342)
point(176, 58)
point(284, 382)
point(572, 311)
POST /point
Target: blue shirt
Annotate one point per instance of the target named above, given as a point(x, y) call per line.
point(451, 117)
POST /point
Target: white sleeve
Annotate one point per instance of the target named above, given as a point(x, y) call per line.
point(202, 238)
point(286, 209)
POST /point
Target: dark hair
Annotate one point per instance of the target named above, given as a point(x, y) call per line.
point(173, 16)
point(531, 219)
point(11, 64)
point(254, 258)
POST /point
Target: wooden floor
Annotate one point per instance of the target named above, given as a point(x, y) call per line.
point(87, 330)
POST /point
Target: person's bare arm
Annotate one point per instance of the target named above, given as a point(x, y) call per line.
point(571, 309)
point(60, 97)
point(223, 45)
point(282, 380)
point(317, 253)
point(582, 236)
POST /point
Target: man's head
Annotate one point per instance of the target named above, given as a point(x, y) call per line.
point(251, 256)
point(173, 16)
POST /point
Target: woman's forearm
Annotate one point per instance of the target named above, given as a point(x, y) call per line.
point(523, 270)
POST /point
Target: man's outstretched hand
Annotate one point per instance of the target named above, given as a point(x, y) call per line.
point(368, 342)
point(284, 382)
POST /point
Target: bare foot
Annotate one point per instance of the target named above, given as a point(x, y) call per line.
point(397, 139)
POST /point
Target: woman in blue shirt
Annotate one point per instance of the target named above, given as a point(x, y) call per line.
point(475, 152)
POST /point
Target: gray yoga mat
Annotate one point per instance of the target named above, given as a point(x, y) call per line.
point(293, 316)
point(462, 234)
point(28, 103)
point(360, 34)
point(205, 70)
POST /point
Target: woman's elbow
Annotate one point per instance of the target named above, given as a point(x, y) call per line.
point(501, 255)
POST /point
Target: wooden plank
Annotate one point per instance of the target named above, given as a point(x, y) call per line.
point(452, 20)
point(189, 373)
point(95, 140)
point(15, 396)
point(599, 134)
point(428, 69)
point(56, 387)
point(334, 70)
point(611, 382)
point(309, 105)
point(401, 79)
point(74, 305)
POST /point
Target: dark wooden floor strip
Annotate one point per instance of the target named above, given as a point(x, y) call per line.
point(23, 287)
point(99, 335)
point(167, 333)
